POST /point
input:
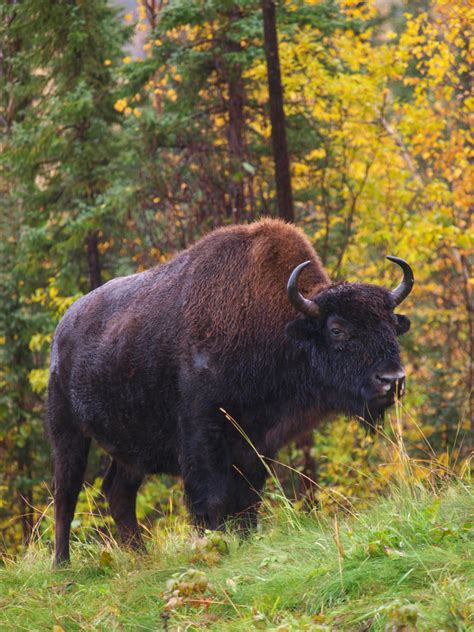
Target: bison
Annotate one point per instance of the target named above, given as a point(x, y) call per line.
point(147, 364)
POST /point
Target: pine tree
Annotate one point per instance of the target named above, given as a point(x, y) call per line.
point(58, 139)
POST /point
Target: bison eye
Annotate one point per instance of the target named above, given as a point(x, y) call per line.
point(337, 330)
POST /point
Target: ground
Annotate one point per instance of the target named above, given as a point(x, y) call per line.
point(404, 564)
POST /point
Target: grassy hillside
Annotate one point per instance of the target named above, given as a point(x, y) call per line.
point(407, 563)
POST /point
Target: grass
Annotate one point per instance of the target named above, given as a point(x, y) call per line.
point(406, 563)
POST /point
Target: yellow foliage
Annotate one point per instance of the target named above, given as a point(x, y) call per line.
point(389, 170)
point(120, 105)
point(39, 341)
point(39, 380)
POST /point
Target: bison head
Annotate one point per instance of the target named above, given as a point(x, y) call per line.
point(352, 331)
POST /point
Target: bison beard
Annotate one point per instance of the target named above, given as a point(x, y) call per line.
point(145, 364)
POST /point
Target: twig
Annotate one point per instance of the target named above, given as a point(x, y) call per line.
point(403, 148)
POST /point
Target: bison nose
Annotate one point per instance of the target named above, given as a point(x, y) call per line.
point(393, 381)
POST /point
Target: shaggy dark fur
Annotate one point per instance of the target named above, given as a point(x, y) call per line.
point(144, 364)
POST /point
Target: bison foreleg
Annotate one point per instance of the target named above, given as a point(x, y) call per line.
point(120, 486)
point(205, 468)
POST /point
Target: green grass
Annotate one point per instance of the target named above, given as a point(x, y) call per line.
point(406, 563)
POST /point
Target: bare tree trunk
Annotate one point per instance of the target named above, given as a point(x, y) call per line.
point(236, 141)
point(468, 295)
point(277, 115)
point(93, 260)
point(235, 133)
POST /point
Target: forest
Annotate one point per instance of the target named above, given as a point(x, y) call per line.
point(130, 130)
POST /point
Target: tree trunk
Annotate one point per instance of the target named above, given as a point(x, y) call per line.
point(93, 260)
point(236, 143)
point(277, 115)
point(235, 132)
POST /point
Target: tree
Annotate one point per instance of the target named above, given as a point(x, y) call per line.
point(277, 115)
point(58, 137)
point(193, 113)
point(110, 164)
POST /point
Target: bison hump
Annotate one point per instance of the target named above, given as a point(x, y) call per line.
point(235, 285)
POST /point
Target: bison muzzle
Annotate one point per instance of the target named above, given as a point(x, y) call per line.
point(244, 321)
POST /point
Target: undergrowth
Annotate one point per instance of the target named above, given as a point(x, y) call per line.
point(404, 564)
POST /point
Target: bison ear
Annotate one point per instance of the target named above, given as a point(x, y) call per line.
point(301, 329)
point(403, 324)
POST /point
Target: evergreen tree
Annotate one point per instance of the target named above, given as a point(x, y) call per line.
point(58, 139)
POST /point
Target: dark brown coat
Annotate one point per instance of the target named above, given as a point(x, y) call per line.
point(145, 364)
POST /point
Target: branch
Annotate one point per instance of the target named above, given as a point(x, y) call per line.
point(403, 148)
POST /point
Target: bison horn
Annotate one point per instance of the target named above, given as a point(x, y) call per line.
point(403, 290)
point(298, 301)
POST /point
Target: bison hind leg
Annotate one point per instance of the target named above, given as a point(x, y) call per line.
point(69, 469)
point(70, 451)
point(120, 486)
